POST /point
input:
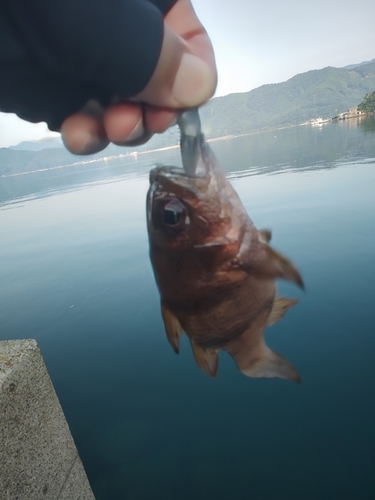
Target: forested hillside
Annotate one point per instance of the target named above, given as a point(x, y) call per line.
point(318, 93)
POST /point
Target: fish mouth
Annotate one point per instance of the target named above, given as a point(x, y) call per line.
point(168, 172)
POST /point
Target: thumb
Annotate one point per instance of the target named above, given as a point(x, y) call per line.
point(185, 75)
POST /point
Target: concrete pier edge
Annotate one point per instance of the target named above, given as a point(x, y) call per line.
point(38, 457)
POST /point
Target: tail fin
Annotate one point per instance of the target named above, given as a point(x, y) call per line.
point(269, 365)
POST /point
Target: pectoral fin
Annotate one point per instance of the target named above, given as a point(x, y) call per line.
point(172, 328)
point(279, 308)
point(275, 265)
point(206, 359)
point(270, 365)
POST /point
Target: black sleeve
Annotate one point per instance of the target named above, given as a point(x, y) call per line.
point(56, 55)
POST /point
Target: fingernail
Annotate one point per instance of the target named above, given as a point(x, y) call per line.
point(194, 83)
point(82, 134)
point(136, 132)
point(83, 142)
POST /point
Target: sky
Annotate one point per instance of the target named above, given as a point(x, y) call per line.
point(261, 42)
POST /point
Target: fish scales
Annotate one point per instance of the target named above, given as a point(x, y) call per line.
point(214, 270)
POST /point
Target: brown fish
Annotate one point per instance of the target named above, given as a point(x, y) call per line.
point(215, 271)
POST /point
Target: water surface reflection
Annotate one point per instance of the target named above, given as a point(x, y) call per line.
point(148, 423)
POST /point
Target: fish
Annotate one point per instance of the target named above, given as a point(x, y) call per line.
point(215, 271)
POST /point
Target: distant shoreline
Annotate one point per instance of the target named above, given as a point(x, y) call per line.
point(135, 154)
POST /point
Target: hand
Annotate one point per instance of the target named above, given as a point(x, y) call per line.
point(185, 76)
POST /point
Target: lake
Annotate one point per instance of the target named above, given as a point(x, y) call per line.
point(148, 424)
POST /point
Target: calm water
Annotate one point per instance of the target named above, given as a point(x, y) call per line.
point(148, 424)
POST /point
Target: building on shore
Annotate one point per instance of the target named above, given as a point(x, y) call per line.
point(351, 113)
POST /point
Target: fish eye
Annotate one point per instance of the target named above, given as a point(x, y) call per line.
point(171, 216)
point(175, 214)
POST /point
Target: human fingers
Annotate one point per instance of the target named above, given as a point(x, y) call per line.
point(185, 75)
point(130, 124)
point(83, 133)
point(158, 120)
point(185, 23)
point(124, 124)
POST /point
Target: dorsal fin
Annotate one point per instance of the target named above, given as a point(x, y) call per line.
point(279, 308)
point(269, 365)
point(265, 235)
point(206, 359)
point(172, 326)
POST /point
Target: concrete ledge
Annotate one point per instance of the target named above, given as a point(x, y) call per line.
point(38, 457)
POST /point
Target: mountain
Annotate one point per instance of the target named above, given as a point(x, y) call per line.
point(317, 93)
point(351, 66)
point(16, 160)
point(50, 143)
